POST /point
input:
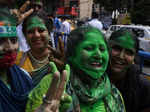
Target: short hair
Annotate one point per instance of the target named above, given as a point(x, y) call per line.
point(123, 32)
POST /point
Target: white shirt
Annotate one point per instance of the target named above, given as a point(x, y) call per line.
point(23, 46)
point(65, 27)
point(96, 23)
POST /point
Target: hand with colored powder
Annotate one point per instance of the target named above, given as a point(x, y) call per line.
point(58, 56)
point(56, 99)
point(20, 13)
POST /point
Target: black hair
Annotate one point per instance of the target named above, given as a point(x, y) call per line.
point(123, 32)
point(94, 15)
point(130, 84)
point(42, 15)
point(78, 35)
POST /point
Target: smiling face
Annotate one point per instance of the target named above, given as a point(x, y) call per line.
point(36, 33)
point(8, 40)
point(123, 53)
point(91, 55)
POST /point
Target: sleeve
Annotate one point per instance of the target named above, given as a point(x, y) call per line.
point(26, 72)
point(145, 92)
point(36, 96)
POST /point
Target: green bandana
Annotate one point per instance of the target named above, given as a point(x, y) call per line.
point(101, 97)
point(35, 22)
point(125, 42)
point(8, 31)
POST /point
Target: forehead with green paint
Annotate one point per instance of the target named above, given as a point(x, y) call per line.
point(91, 54)
point(34, 22)
point(125, 41)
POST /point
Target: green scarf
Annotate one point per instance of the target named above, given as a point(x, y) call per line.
point(101, 97)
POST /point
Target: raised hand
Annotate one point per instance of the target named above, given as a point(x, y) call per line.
point(20, 13)
point(58, 56)
point(55, 92)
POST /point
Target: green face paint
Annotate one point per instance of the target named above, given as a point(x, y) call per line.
point(35, 22)
point(125, 41)
point(91, 55)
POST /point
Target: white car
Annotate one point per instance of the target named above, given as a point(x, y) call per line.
point(143, 34)
point(111, 29)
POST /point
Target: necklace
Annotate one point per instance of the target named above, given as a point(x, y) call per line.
point(37, 61)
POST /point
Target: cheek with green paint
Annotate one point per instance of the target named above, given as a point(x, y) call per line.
point(91, 55)
point(122, 52)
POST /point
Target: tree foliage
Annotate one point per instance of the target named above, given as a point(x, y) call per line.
point(139, 9)
point(141, 12)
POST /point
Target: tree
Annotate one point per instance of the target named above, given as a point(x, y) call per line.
point(140, 13)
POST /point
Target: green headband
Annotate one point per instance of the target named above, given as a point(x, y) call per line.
point(8, 31)
point(35, 22)
point(125, 41)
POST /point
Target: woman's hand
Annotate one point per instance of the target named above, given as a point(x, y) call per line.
point(56, 90)
point(20, 13)
point(58, 56)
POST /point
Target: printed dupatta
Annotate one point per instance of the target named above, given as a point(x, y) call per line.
point(14, 99)
point(107, 98)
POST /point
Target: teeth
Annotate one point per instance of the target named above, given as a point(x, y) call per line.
point(119, 62)
point(95, 63)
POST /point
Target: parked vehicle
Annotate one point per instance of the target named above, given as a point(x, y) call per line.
point(111, 29)
point(142, 33)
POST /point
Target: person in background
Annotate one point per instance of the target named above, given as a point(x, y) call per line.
point(95, 22)
point(65, 29)
point(125, 75)
point(88, 56)
point(57, 33)
point(15, 83)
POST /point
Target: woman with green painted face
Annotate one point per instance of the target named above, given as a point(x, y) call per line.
point(36, 61)
point(125, 74)
point(36, 29)
point(88, 55)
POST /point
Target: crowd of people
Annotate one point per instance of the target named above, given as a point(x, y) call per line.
point(47, 66)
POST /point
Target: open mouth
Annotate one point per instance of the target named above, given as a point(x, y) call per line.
point(96, 65)
point(119, 64)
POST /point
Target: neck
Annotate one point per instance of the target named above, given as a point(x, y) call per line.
point(86, 79)
point(117, 77)
point(43, 54)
